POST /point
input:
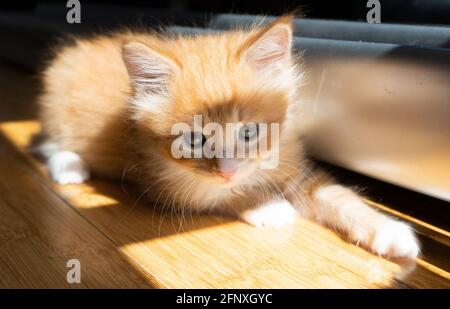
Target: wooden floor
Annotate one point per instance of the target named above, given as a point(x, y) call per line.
point(121, 243)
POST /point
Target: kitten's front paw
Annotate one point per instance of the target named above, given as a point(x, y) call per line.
point(66, 167)
point(395, 239)
point(276, 213)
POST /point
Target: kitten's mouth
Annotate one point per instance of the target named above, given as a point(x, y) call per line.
point(227, 183)
point(225, 177)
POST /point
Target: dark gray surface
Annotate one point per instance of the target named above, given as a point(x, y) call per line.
point(26, 38)
point(420, 36)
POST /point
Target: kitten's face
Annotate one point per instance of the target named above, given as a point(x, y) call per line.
point(243, 88)
point(233, 138)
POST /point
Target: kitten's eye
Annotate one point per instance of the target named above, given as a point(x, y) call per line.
point(194, 138)
point(248, 132)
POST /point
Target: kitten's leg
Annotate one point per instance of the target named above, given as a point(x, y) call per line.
point(65, 167)
point(277, 212)
point(342, 209)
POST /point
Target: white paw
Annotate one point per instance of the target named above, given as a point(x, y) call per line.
point(395, 239)
point(67, 167)
point(276, 213)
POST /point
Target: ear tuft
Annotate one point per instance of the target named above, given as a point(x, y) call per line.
point(271, 45)
point(149, 71)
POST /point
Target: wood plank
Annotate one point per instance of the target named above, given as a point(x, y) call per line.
point(39, 233)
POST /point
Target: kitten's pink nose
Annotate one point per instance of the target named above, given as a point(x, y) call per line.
point(226, 168)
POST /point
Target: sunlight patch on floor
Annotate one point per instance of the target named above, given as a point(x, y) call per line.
point(86, 196)
point(20, 132)
point(234, 255)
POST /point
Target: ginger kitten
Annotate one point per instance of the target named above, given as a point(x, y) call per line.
point(110, 104)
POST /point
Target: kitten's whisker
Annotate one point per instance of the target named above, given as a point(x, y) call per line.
point(264, 187)
point(177, 205)
point(164, 211)
point(291, 187)
point(122, 179)
point(130, 210)
point(161, 209)
point(188, 194)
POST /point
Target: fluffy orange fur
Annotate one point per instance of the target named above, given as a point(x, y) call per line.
point(111, 101)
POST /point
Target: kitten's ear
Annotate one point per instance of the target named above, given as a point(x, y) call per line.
point(271, 45)
point(149, 70)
